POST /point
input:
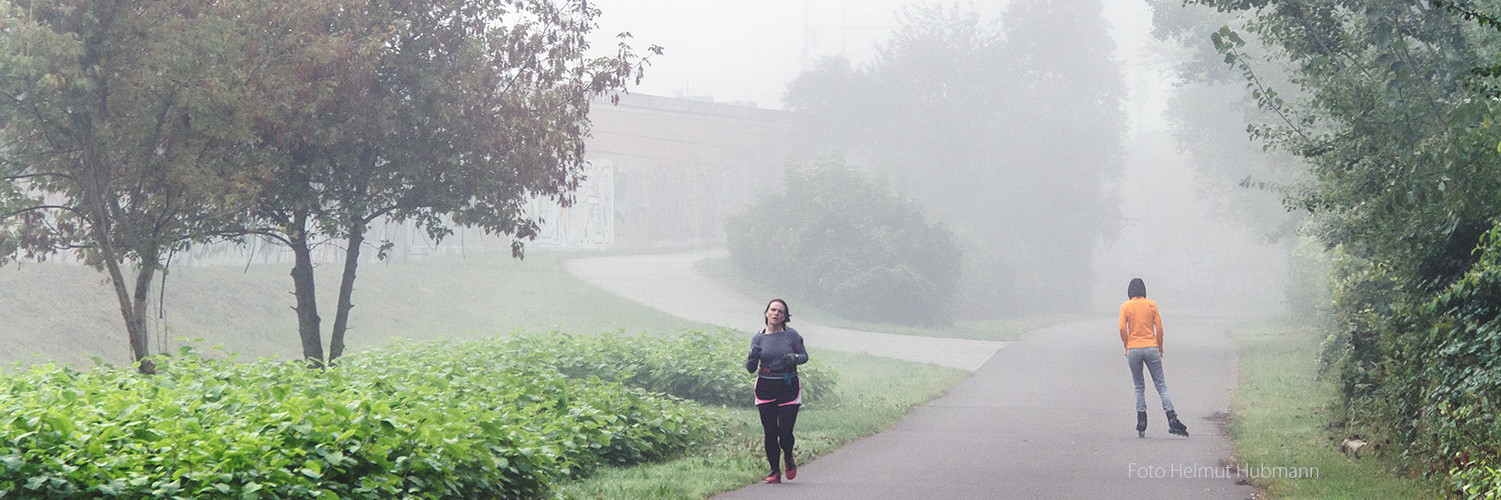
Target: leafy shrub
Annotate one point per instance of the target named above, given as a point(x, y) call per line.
point(842, 242)
point(701, 366)
point(425, 421)
point(1478, 482)
point(1422, 373)
point(1454, 368)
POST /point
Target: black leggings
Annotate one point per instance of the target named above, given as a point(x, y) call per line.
point(777, 423)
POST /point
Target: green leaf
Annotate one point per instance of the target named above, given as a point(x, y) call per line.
point(312, 469)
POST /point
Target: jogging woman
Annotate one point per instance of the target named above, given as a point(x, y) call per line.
point(1141, 333)
point(774, 355)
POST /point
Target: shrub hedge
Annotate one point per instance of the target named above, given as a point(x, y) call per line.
point(705, 367)
point(1422, 373)
point(1452, 374)
point(498, 418)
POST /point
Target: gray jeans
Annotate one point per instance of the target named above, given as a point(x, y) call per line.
point(1153, 359)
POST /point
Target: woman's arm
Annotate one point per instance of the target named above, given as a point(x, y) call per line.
point(753, 360)
point(1157, 323)
point(800, 354)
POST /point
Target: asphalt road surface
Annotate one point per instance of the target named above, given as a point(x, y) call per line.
point(1051, 415)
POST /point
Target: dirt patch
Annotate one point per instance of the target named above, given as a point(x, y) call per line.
point(1221, 421)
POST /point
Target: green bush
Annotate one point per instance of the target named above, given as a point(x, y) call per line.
point(1478, 482)
point(1454, 369)
point(432, 420)
point(701, 366)
point(842, 242)
point(1422, 374)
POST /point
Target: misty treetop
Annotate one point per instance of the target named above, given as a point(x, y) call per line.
point(1010, 133)
point(1208, 112)
point(132, 129)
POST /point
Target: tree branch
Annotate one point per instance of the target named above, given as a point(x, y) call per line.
point(39, 174)
point(35, 208)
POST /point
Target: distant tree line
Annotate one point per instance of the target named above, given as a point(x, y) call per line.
point(1392, 106)
point(130, 129)
point(1011, 134)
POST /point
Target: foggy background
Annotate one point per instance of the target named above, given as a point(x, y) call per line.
point(1178, 231)
point(697, 141)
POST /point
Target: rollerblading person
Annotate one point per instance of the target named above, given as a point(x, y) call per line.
point(1141, 335)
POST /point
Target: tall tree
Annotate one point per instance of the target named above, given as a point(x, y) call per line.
point(124, 136)
point(447, 112)
point(1398, 129)
point(1384, 119)
point(1209, 109)
point(1009, 134)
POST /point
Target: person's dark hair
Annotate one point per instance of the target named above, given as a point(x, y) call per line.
point(784, 306)
point(1137, 288)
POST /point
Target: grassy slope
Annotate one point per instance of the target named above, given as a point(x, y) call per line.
point(868, 404)
point(1281, 419)
point(67, 313)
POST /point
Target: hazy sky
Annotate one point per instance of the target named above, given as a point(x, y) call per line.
point(749, 50)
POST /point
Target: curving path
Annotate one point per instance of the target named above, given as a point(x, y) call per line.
point(1049, 416)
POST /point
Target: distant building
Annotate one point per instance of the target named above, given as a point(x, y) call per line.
point(671, 171)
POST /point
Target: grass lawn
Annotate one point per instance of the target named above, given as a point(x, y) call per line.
point(1005, 330)
point(868, 403)
point(1281, 418)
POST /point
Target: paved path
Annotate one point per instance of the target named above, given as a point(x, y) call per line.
point(1049, 416)
point(670, 283)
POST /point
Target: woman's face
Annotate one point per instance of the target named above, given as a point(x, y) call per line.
point(776, 313)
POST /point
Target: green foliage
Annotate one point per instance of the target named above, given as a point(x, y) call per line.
point(1478, 482)
point(1400, 136)
point(1401, 151)
point(842, 242)
point(1452, 371)
point(704, 367)
point(433, 420)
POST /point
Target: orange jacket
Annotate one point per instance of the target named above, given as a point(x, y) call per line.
point(1141, 325)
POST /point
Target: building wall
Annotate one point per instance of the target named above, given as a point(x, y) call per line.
point(682, 167)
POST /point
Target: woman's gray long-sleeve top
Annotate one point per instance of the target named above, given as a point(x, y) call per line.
point(769, 352)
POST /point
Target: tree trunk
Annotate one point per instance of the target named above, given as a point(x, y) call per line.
point(346, 291)
point(135, 318)
point(140, 336)
point(100, 217)
point(307, 302)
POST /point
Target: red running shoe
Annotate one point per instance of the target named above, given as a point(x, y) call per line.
point(774, 478)
point(791, 473)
